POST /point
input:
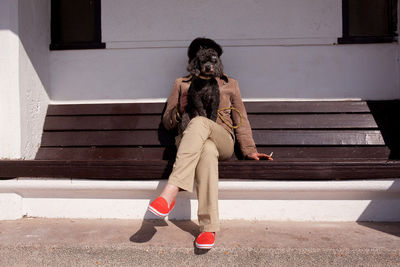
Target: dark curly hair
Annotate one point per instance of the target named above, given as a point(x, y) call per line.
point(202, 42)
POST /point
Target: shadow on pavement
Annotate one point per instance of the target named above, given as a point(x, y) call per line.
point(147, 231)
point(392, 228)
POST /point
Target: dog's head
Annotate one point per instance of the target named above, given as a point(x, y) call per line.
point(206, 63)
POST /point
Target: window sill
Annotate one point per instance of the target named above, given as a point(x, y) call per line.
point(367, 40)
point(76, 46)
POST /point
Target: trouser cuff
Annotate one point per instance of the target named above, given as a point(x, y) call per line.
point(181, 186)
point(210, 228)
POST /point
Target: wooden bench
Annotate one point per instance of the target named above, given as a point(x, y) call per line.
point(310, 140)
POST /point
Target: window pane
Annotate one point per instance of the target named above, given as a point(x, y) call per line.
point(76, 21)
point(369, 18)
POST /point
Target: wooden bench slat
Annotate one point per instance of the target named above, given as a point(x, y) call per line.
point(261, 137)
point(307, 107)
point(312, 121)
point(330, 153)
point(159, 169)
point(344, 153)
point(122, 122)
point(310, 170)
point(109, 169)
point(105, 138)
point(105, 153)
point(101, 109)
point(251, 107)
point(257, 121)
point(318, 137)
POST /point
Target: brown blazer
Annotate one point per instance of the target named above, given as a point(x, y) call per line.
point(229, 97)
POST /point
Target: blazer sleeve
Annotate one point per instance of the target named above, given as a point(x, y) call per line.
point(169, 117)
point(244, 133)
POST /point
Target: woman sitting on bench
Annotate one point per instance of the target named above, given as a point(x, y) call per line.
point(202, 144)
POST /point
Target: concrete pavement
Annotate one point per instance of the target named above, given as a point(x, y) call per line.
point(80, 242)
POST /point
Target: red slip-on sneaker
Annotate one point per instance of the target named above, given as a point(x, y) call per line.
point(159, 207)
point(205, 240)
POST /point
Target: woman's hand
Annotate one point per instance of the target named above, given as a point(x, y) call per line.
point(258, 156)
point(182, 102)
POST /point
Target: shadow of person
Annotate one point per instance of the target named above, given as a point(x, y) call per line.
point(193, 229)
point(180, 216)
point(147, 230)
point(187, 226)
point(184, 210)
point(150, 221)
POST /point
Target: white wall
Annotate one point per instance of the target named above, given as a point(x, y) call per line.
point(10, 138)
point(24, 39)
point(135, 20)
point(351, 71)
point(278, 49)
point(34, 34)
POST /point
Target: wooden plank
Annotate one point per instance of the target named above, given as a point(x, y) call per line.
point(309, 170)
point(107, 138)
point(228, 169)
point(257, 121)
point(251, 107)
point(344, 153)
point(101, 109)
point(312, 121)
point(307, 107)
point(106, 153)
point(317, 137)
point(86, 169)
point(99, 122)
point(261, 137)
point(327, 153)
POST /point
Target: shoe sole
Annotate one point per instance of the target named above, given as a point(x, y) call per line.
point(156, 212)
point(204, 246)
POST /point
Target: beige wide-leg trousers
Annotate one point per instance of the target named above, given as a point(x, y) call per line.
point(202, 144)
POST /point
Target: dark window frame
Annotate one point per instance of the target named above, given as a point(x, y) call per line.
point(392, 23)
point(56, 44)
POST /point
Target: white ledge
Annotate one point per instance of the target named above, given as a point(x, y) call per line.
point(229, 189)
point(361, 200)
point(163, 100)
point(139, 44)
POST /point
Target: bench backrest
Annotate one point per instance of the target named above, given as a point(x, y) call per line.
point(294, 131)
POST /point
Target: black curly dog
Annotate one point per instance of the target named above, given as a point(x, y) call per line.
point(203, 93)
